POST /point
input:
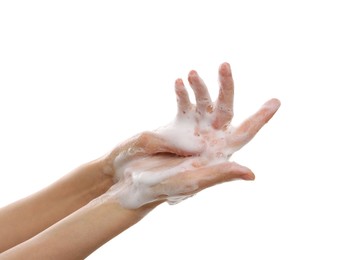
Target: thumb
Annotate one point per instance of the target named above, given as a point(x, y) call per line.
point(193, 181)
point(153, 143)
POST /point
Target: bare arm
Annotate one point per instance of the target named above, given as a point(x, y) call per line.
point(79, 234)
point(29, 216)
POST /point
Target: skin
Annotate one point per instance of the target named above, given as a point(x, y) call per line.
point(86, 208)
point(27, 217)
point(205, 164)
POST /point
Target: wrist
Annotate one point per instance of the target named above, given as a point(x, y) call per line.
point(99, 180)
point(111, 205)
point(87, 182)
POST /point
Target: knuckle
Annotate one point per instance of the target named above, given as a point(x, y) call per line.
point(144, 137)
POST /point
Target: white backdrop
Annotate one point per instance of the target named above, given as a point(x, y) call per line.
point(77, 77)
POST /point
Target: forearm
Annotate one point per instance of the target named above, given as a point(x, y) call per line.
point(29, 216)
point(79, 234)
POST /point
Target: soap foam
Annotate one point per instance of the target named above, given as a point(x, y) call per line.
point(146, 179)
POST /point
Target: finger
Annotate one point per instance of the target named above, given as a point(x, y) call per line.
point(193, 181)
point(250, 127)
point(145, 144)
point(153, 143)
point(203, 99)
point(183, 102)
point(224, 104)
point(220, 173)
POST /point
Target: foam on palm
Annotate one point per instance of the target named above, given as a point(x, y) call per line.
point(145, 179)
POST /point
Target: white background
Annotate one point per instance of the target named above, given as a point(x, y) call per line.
point(78, 77)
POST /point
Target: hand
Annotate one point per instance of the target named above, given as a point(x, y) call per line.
point(192, 152)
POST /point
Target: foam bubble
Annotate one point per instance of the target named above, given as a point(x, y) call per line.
point(146, 179)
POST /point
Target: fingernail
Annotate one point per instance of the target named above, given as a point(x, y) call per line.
point(225, 69)
point(192, 75)
point(179, 82)
point(274, 102)
point(248, 177)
